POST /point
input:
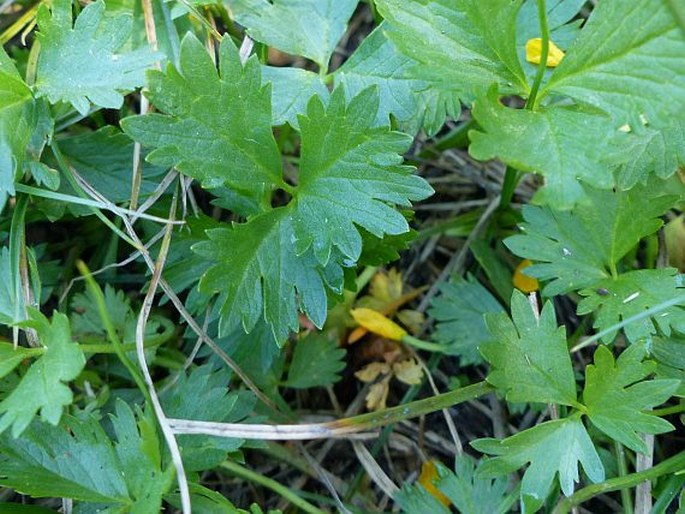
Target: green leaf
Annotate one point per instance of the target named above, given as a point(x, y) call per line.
point(580, 247)
point(84, 64)
point(413, 102)
point(317, 360)
point(350, 174)
point(311, 28)
point(529, 358)
point(553, 142)
point(617, 396)
point(73, 461)
point(614, 300)
point(11, 357)
point(472, 493)
point(624, 62)
point(291, 89)
point(217, 127)
point(43, 386)
point(463, 46)
point(550, 448)
point(17, 123)
point(78, 460)
point(139, 459)
point(643, 151)
point(181, 401)
point(459, 312)
point(260, 275)
point(467, 492)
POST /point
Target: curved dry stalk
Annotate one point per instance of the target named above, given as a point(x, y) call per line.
point(140, 351)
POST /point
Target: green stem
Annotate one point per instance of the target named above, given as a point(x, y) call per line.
point(671, 465)
point(242, 472)
point(531, 103)
point(513, 176)
point(511, 179)
point(626, 500)
point(97, 293)
point(667, 411)
point(423, 345)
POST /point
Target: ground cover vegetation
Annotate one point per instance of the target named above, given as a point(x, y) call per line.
point(418, 256)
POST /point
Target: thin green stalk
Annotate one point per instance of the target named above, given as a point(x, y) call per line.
point(531, 103)
point(667, 411)
point(423, 345)
point(671, 465)
point(242, 472)
point(101, 304)
point(16, 249)
point(626, 499)
point(513, 176)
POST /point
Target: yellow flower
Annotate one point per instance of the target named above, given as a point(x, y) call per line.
point(534, 53)
point(523, 282)
point(375, 322)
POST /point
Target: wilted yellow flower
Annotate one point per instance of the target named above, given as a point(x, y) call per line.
point(534, 53)
point(408, 371)
point(375, 322)
point(429, 472)
point(523, 282)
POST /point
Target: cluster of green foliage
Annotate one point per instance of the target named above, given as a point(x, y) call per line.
point(305, 176)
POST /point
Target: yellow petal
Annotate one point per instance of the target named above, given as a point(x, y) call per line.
point(408, 371)
point(429, 472)
point(370, 372)
point(534, 52)
point(375, 322)
point(523, 282)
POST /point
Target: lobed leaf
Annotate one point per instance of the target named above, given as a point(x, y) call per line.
point(311, 28)
point(43, 388)
point(217, 126)
point(529, 358)
point(459, 312)
point(552, 448)
point(93, 46)
point(617, 395)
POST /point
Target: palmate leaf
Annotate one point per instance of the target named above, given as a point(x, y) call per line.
point(83, 63)
point(259, 273)
point(311, 28)
point(578, 248)
point(350, 175)
point(78, 460)
point(631, 293)
point(551, 448)
point(459, 312)
point(529, 358)
point(617, 395)
point(463, 46)
point(468, 492)
point(317, 360)
point(202, 452)
point(43, 386)
point(217, 127)
point(412, 101)
point(17, 123)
